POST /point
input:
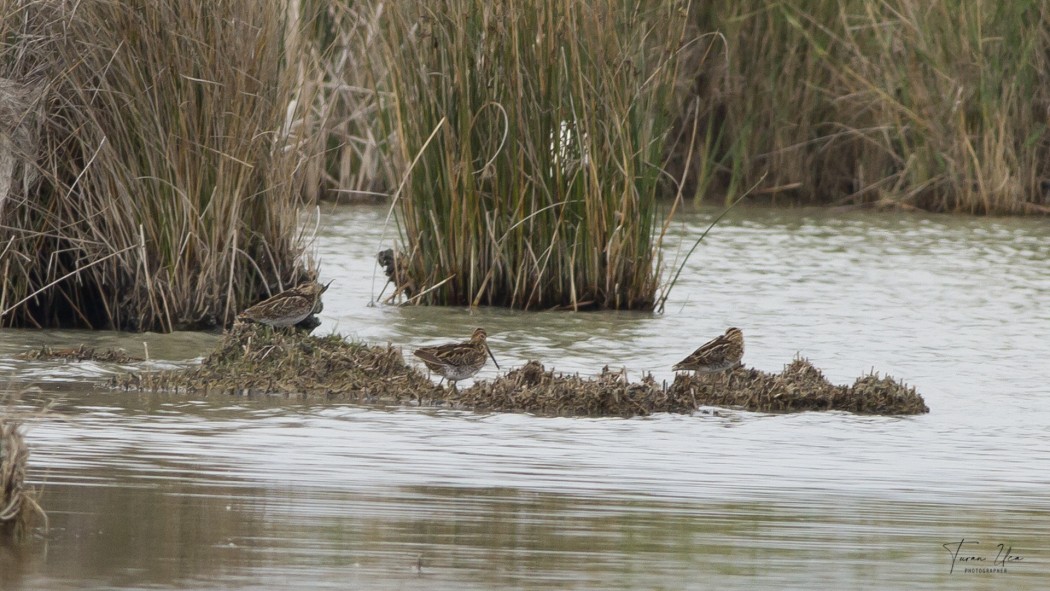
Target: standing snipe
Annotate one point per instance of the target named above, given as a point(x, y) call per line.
point(458, 361)
point(288, 308)
point(719, 354)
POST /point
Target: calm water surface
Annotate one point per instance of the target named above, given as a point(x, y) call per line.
point(159, 491)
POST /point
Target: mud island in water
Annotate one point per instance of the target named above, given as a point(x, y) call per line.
point(254, 360)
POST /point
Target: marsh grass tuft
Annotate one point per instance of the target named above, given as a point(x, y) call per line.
point(531, 138)
point(534, 389)
point(800, 387)
point(255, 360)
point(170, 148)
point(17, 502)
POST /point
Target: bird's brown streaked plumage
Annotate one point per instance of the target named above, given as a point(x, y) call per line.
point(719, 354)
point(458, 361)
point(289, 307)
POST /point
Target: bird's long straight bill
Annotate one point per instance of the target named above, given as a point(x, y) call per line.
point(491, 355)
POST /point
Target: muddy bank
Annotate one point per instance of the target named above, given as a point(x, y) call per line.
point(799, 387)
point(255, 360)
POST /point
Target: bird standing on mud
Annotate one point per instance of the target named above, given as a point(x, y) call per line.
point(719, 354)
point(458, 361)
point(288, 308)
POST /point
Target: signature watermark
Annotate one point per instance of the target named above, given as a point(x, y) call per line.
point(968, 556)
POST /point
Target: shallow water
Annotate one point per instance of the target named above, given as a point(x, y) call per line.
point(148, 491)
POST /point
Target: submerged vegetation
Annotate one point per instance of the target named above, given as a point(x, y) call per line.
point(79, 353)
point(155, 158)
point(255, 360)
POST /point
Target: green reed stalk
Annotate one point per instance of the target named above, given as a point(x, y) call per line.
point(539, 187)
point(171, 157)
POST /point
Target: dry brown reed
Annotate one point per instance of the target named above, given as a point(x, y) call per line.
point(19, 120)
point(17, 503)
point(170, 160)
point(342, 34)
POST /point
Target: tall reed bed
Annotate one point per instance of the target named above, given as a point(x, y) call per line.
point(531, 140)
point(169, 157)
point(938, 105)
point(340, 36)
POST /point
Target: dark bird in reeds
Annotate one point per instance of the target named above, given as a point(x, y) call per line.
point(395, 265)
point(458, 361)
point(288, 308)
point(717, 355)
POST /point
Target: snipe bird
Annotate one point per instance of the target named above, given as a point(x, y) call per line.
point(719, 354)
point(458, 361)
point(288, 308)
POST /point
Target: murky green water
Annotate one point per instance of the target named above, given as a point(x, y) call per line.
point(148, 491)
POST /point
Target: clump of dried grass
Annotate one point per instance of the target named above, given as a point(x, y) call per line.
point(533, 389)
point(254, 359)
point(799, 387)
point(874, 395)
point(17, 503)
